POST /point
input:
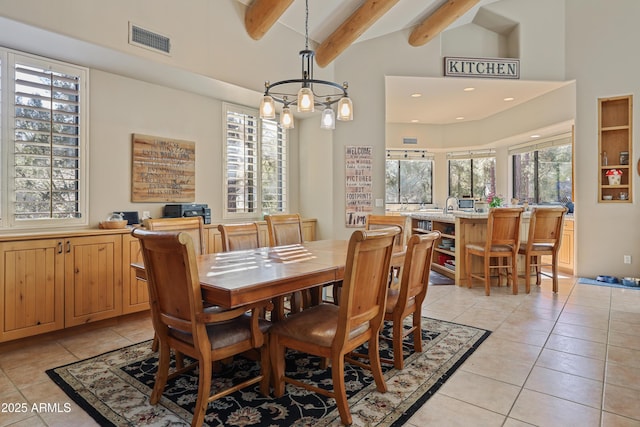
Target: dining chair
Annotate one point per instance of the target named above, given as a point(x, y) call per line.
point(501, 242)
point(192, 225)
point(286, 229)
point(382, 221)
point(237, 237)
point(544, 239)
point(407, 301)
point(182, 323)
point(331, 331)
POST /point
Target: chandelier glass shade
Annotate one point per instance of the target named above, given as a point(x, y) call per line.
point(307, 93)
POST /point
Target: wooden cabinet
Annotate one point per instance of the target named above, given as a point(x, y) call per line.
point(444, 256)
point(135, 294)
point(614, 144)
point(565, 254)
point(32, 297)
point(93, 278)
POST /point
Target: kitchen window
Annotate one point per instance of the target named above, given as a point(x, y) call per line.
point(472, 174)
point(255, 166)
point(408, 179)
point(542, 172)
point(44, 179)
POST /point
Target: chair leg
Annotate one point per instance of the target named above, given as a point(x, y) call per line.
point(537, 262)
point(204, 390)
point(487, 278)
point(554, 271)
point(339, 390)
point(265, 367)
point(277, 365)
point(527, 273)
point(374, 363)
point(155, 344)
point(514, 273)
point(467, 262)
point(161, 375)
point(398, 360)
point(417, 331)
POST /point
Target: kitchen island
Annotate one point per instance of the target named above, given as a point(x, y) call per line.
point(461, 227)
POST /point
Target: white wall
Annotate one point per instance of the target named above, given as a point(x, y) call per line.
point(586, 40)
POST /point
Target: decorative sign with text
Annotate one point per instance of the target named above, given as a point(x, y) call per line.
point(359, 184)
point(164, 170)
point(498, 68)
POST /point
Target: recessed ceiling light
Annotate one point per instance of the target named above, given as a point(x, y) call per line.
point(460, 118)
point(414, 120)
point(535, 136)
point(509, 99)
point(416, 95)
point(469, 89)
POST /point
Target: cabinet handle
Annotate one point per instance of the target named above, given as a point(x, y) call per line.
point(59, 247)
point(68, 246)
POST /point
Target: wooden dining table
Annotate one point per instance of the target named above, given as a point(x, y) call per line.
point(236, 278)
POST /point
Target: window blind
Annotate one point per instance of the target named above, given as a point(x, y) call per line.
point(46, 148)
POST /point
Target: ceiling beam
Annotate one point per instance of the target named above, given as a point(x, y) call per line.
point(439, 20)
point(351, 29)
point(262, 14)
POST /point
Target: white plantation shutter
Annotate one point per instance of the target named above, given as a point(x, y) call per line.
point(46, 136)
point(255, 166)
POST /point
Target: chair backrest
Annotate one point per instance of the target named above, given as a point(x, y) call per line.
point(382, 221)
point(236, 237)
point(172, 276)
point(503, 227)
point(545, 226)
point(364, 289)
point(284, 229)
point(192, 225)
point(417, 267)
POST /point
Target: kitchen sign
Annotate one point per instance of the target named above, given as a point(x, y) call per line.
point(359, 184)
point(497, 68)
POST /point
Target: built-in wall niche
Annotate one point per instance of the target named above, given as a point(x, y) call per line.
point(615, 130)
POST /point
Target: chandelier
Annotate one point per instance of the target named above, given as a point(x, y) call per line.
point(307, 93)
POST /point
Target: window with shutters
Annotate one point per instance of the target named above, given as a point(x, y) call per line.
point(44, 178)
point(255, 172)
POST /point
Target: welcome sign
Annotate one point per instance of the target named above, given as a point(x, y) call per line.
point(498, 68)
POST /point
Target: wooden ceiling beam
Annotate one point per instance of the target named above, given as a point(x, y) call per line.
point(262, 14)
point(439, 20)
point(351, 29)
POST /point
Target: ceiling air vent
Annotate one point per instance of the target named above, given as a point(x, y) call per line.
point(409, 140)
point(148, 39)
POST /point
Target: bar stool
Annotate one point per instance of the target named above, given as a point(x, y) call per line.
point(502, 242)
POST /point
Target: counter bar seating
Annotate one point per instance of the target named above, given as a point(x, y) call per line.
point(182, 322)
point(331, 331)
point(545, 237)
point(502, 241)
point(236, 237)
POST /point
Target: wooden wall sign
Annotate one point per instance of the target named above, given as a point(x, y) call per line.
point(359, 184)
point(163, 170)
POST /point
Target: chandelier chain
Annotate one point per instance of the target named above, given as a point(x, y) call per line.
point(306, 25)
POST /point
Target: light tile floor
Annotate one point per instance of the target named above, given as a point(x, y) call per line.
point(569, 359)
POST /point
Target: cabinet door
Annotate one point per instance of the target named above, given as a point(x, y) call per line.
point(32, 288)
point(565, 254)
point(135, 295)
point(93, 278)
point(214, 240)
point(309, 230)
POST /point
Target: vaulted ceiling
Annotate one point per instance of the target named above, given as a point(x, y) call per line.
point(336, 24)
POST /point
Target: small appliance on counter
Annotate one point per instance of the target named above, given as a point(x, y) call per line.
point(466, 204)
point(179, 210)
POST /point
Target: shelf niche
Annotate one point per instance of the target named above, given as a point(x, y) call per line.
point(614, 138)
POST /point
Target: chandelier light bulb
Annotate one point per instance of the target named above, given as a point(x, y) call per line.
point(286, 119)
point(345, 109)
point(305, 100)
point(267, 108)
point(328, 120)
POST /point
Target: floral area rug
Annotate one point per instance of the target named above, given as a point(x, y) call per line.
point(114, 388)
